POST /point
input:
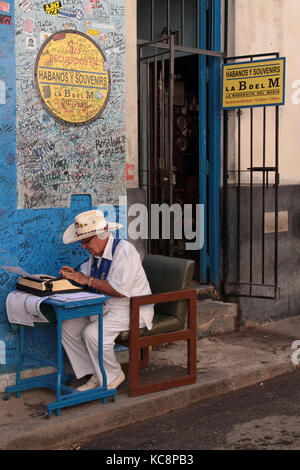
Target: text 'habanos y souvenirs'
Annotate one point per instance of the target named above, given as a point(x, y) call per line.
point(72, 77)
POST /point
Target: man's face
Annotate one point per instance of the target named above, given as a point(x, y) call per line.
point(95, 245)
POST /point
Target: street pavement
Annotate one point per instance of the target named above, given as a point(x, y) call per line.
point(264, 416)
point(224, 363)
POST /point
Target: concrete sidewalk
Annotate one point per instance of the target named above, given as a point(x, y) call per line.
point(225, 363)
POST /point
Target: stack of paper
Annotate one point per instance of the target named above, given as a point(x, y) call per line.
point(72, 296)
point(24, 309)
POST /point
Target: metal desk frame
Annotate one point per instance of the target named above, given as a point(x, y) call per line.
point(65, 395)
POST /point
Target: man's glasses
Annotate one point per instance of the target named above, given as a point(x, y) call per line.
point(86, 241)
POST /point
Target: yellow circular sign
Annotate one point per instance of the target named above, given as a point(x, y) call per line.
point(72, 77)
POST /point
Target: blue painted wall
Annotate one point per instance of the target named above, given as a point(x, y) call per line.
point(31, 235)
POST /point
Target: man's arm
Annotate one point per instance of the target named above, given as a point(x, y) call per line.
point(99, 284)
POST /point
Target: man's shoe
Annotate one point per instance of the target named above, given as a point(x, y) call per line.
point(90, 384)
point(115, 383)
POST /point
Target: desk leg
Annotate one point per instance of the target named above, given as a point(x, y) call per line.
point(21, 359)
point(59, 363)
point(66, 396)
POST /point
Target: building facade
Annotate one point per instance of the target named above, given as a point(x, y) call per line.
point(263, 251)
point(112, 102)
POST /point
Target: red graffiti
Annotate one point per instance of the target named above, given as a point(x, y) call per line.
point(129, 171)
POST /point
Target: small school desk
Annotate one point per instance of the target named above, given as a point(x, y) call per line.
point(65, 395)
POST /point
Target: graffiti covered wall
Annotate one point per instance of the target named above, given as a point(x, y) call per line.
point(52, 166)
point(56, 159)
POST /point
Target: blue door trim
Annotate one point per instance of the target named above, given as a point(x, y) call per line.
point(214, 124)
point(209, 167)
point(203, 138)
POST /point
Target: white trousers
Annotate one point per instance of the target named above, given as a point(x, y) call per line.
point(80, 341)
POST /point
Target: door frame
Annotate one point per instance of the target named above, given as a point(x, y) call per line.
point(209, 69)
point(210, 145)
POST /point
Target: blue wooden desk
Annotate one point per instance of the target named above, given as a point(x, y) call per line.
point(65, 395)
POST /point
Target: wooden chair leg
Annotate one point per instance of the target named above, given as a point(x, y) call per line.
point(139, 344)
point(144, 362)
point(134, 366)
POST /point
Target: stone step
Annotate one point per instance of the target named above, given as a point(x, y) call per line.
point(215, 317)
point(205, 291)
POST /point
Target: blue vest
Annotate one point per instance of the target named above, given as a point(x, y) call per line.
point(102, 271)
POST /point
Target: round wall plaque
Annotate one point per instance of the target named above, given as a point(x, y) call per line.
point(72, 77)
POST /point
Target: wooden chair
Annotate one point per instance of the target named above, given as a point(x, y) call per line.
point(169, 279)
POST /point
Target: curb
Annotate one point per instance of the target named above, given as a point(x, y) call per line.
point(85, 422)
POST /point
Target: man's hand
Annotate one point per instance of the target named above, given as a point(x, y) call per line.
point(99, 284)
point(68, 273)
point(67, 268)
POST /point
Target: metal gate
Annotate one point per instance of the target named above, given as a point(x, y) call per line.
point(158, 142)
point(156, 93)
point(250, 202)
point(168, 35)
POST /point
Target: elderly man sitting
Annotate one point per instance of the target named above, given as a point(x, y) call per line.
point(114, 268)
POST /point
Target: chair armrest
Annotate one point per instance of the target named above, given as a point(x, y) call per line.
point(171, 296)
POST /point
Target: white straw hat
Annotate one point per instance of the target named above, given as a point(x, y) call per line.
point(86, 225)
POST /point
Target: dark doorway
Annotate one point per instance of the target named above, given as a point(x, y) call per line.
point(186, 144)
point(169, 137)
point(179, 123)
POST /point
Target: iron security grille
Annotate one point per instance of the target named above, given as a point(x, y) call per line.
point(251, 180)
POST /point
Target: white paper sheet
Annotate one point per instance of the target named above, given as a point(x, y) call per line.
point(73, 296)
point(19, 270)
point(24, 309)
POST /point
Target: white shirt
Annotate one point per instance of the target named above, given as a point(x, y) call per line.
point(127, 276)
